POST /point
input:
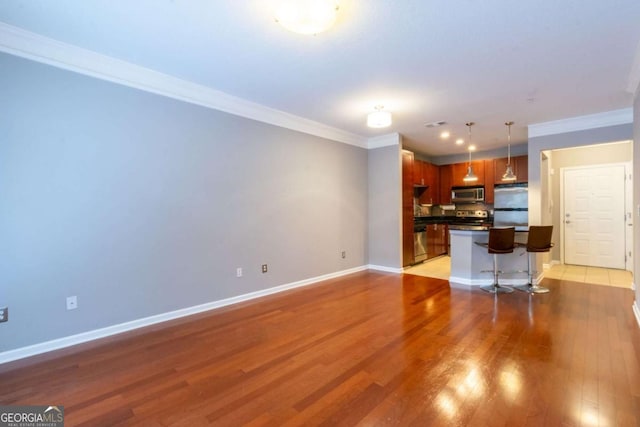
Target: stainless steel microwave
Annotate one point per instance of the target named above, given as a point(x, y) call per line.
point(467, 194)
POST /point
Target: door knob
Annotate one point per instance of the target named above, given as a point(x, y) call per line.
point(567, 222)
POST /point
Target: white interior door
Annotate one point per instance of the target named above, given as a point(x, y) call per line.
point(594, 216)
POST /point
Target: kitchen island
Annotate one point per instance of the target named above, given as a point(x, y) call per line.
point(468, 260)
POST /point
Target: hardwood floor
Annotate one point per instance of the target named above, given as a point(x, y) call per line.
point(366, 349)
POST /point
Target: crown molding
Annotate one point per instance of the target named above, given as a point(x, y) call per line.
point(25, 44)
point(573, 124)
point(633, 85)
point(384, 141)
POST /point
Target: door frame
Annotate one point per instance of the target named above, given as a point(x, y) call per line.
point(628, 207)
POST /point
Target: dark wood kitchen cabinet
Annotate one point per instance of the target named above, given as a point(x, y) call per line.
point(522, 166)
point(460, 170)
point(489, 171)
point(429, 180)
point(436, 240)
point(519, 165)
point(407, 207)
point(445, 173)
point(425, 178)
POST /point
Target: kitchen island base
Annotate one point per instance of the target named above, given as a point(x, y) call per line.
point(472, 265)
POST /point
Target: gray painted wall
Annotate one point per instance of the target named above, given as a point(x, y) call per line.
point(140, 205)
point(385, 202)
point(565, 140)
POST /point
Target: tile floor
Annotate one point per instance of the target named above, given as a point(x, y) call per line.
point(440, 267)
point(594, 275)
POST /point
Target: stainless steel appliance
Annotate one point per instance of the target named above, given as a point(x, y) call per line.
point(467, 219)
point(511, 206)
point(467, 194)
point(419, 242)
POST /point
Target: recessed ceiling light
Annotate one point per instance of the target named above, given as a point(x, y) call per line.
point(472, 148)
point(459, 141)
point(445, 134)
point(435, 124)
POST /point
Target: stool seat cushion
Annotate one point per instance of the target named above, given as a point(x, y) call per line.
point(539, 238)
point(501, 240)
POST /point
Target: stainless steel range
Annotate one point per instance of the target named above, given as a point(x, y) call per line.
point(471, 220)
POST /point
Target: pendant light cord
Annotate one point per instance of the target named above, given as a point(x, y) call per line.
point(509, 143)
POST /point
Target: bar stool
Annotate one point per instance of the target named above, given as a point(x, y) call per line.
point(501, 241)
point(538, 240)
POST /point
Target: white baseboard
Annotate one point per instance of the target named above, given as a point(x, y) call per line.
point(469, 282)
point(636, 311)
point(386, 269)
point(57, 344)
point(502, 280)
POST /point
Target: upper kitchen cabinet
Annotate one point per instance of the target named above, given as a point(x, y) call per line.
point(460, 170)
point(426, 175)
point(418, 174)
point(430, 179)
point(522, 168)
point(519, 165)
point(489, 179)
point(446, 181)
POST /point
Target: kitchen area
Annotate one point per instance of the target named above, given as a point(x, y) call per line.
point(439, 203)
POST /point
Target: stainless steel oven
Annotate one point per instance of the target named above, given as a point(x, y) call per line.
point(419, 243)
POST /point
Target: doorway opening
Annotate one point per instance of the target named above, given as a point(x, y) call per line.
point(589, 202)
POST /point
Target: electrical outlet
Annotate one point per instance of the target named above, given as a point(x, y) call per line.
point(238, 272)
point(344, 254)
point(4, 314)
point(264, 268)
point(72, 303)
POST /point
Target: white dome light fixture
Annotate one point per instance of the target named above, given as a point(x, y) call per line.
point(306, 16)
point(379, 118)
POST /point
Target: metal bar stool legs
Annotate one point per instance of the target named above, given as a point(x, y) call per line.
point(501, 241)
point(538, 240)
point(495, 287)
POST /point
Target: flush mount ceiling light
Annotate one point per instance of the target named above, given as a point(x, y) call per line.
point(306, 16)
point(470, 176)
point(379, 118)
point(509, 175)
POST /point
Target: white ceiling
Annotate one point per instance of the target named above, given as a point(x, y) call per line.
point(425, 60)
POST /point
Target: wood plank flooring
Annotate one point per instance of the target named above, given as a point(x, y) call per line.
point(371, 349)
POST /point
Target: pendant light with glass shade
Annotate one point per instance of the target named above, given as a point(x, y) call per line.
point(509, 175)
point(470, 176)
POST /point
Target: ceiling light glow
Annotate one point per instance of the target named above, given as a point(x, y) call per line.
point(379, 118)
point(445, 134)
point(307, 16)
point(459, 141)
